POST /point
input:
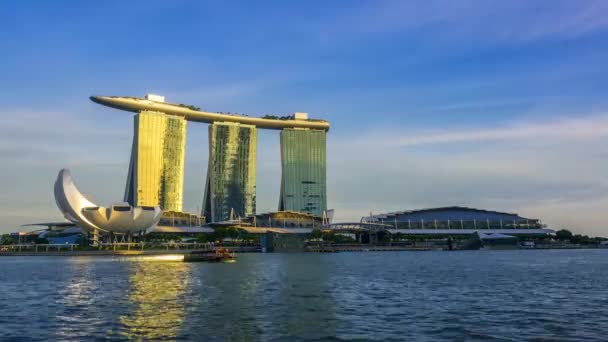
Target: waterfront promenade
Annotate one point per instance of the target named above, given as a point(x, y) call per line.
point(137, 249)
point(122, 249)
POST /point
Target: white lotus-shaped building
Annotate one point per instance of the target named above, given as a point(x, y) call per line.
point(119, 218)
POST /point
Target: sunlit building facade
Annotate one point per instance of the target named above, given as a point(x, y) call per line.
point(230, 189)
point(156, 170)
point(303, 179)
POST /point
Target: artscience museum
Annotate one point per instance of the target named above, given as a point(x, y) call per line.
point(120, 218)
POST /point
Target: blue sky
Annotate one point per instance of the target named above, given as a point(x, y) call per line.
point(493, 104)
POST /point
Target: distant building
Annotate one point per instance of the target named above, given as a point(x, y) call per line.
point(56, 233)
point(230, 189)
point(154, 97)
point(182, 223)
point(284, 219)
point(300, 116)
point(156, 170)
point(180, 219)
point(303, 179)
point(496, 241)
point(456, 219)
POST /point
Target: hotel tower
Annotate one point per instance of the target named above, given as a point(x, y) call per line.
point(156, 170)
point(230, 186)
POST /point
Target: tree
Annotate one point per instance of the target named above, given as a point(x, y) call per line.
point(316, 234)
point(6, 240)
point(223, 232)
point(195, 108)
point(580, 239)
point(233, 233)
point(203, 237)
point(563, 234)
point(41, 241)
point(328, 235)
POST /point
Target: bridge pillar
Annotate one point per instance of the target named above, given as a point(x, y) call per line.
point(95, 238)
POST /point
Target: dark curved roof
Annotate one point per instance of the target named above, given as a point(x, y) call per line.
point(439, 209)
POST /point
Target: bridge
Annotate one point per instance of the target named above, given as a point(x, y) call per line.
point(357, 227)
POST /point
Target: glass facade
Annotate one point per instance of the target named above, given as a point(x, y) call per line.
point(231, 173)
point(156, 170)
point(303, 180)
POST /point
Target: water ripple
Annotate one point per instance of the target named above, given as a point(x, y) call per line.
point(424, 296)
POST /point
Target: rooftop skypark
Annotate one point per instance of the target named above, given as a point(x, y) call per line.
point(192, 113)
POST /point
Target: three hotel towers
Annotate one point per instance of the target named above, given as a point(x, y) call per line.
point(156, 168)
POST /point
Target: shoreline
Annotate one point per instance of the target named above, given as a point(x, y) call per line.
point(154, 252)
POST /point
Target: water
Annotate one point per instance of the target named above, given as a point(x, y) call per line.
point(477, 295)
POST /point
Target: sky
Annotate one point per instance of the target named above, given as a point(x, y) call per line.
point(499, 105)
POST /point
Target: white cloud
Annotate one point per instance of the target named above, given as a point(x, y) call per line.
point(539, 169)
point(554, 170)
point(573, 128)
point(491, 21)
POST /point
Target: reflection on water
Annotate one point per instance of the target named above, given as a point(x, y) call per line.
point(76, 297)
point(500, 295)
point(167, 257)
point(305, 285)
point(157, 296)
point(227, 301)
point(265, 296)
